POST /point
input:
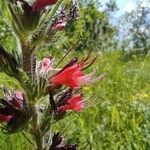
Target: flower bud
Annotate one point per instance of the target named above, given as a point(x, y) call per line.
point(39, 5)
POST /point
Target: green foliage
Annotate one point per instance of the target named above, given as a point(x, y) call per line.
point(8, 62)
point(121, 119)
point(136, 23)
point(15, 142)
point(6, 37)
point(93, 30)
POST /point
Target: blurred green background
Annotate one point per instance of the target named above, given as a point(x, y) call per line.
point(121, 119)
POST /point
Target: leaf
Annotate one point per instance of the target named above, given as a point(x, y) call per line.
point(8, 62)
point(115, 117)
point(39, 89)
point(8, 17)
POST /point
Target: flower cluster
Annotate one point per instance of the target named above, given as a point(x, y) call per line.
point(68, 82)
point(73, 78)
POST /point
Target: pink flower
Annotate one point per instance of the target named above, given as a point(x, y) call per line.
point(59, 21)
point(74, 103)
point(18, 95)
point(46, 65)
point(60, 25)
point(39, 5)
point(4, 118)
point(17, 99)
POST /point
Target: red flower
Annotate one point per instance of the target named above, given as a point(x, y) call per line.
point(4, 118)
point(72, 76)
point(74, 103)
point(38, 5)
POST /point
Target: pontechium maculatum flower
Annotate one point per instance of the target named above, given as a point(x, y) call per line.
point(73, 75)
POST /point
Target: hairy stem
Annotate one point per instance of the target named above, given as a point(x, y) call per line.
point(27, 59)
point(36, 129)
point(28, 62)
point(39, 139)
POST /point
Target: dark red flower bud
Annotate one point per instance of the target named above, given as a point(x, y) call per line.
point(39, 5)
point(14, 111)
point(56, 140)
point(58, 143)
point(4, 118)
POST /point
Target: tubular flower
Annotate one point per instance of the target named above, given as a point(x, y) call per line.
point(39, 5)
point(4, 118)
point(46, 65)
point(74, 103)
point(15, 98)
point(69, 76)
point(60, 21)
point(73, 77)
point(60, 25)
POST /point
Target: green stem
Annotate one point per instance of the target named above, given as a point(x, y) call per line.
point(28, 63)
point(39, 139)
point(27, 59)
point(36, 131)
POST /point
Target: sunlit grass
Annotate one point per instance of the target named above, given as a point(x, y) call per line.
point(121, 120)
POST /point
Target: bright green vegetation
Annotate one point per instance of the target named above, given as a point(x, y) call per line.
point(121, 119)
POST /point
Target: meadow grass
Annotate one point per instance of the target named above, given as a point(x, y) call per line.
point(120, 120)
